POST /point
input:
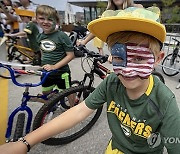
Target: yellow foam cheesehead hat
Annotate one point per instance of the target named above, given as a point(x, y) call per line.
point(131, 19)
point(22, 12)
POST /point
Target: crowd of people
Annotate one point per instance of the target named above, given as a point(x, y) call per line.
point(142, 111)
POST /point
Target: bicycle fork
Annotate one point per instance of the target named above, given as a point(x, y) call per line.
point(23, 107)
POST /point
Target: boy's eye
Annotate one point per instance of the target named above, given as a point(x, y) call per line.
point(41, 18)
point(117, 59)
point(50, 19)
point(139, 59)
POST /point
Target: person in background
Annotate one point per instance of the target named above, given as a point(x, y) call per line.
point(9, 19)
point(142, 111)
point(30, 33)
point(27, 5)
point(113, 5)
point(16, 4)
point(99, 45)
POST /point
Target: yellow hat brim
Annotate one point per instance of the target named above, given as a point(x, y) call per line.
point(22, 12)
point(103, 27)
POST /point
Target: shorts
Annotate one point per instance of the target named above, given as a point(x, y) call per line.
point(59, 80)
point(109, 149)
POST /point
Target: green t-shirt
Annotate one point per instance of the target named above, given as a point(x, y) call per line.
point(32, 32)
point(53, 47)
point(133, 121)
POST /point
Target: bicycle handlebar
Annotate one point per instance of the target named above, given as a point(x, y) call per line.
point(176, 40)
point(37, 72)
point(97, 56)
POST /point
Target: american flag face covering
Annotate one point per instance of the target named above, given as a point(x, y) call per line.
point(131, 60)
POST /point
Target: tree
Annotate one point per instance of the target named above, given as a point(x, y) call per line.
point(102, 6)
point(170, 12)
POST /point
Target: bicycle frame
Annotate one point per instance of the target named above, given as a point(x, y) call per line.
point(25, 98)
point(175, 52)
point(97, 68)
point(21, 49)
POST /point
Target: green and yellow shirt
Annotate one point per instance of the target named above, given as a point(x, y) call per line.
point(143, 125)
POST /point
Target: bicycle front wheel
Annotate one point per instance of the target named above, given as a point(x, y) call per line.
point(171, 69)
point(19, 127)
point(53, 108)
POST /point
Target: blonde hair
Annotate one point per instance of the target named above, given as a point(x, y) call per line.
point(48, 11)
point(126, 3)
point(126, 36)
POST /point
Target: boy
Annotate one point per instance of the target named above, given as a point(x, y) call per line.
point(56, 49)
point(30, 32)
point(142, 112)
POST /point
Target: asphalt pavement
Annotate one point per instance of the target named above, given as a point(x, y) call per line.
point(96, 140)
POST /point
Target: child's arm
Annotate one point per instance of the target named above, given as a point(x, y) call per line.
point(19, 34)
point(57, 125)
point(64, 61)
point(86, 40)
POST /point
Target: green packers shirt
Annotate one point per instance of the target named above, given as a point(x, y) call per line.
point(143, 125)
point(53, 47)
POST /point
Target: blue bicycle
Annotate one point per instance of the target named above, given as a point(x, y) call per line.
point(23, 110)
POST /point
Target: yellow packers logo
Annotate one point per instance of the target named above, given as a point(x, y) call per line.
point(47, 45)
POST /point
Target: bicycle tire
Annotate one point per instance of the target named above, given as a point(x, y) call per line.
point(5, 77)
point(8, 76)
point(159, 76)
point(71, 134)
point(14, 54)
point(63, 101)
point(73, 37)
point(170, 70)
point(19, 130)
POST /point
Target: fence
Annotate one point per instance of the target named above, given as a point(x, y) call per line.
point(173, 31)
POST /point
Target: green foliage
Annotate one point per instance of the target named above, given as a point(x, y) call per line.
point(175, 15)
point(102, 6)
point(170, 13)
point(167, 3)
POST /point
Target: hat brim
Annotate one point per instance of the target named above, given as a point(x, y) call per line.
point(22, 12)
point(106, 26)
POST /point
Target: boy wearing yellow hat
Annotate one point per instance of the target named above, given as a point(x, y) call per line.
point(142, 112)
point(30, 31)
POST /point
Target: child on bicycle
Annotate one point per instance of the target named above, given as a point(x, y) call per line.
point(142, 112)
point(30, 32)
point(56, 49)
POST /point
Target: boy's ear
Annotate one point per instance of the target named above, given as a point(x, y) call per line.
point(159, 57)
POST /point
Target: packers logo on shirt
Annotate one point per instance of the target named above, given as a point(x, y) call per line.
point(126, 130)
point(47, 45)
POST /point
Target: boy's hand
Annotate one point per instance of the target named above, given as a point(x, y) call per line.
point(13, 147)
point(48, 67)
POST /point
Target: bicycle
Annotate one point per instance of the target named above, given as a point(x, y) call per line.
point(6, 75)
point(15, 51)
point(24, 109)
point(76, 34)
point(81, 91)
point(171, 63)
